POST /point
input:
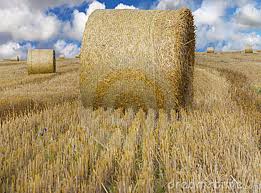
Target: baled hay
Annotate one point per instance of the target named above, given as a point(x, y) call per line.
point(77, 56)
point(248, 50)
point(210, 50)
point(139, 59)
point(16, 58)
point(62, 56)
point(41, 61)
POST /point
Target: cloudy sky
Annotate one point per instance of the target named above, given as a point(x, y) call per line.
point(223, 24)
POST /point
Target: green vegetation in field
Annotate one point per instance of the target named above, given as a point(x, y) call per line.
point(258, 90)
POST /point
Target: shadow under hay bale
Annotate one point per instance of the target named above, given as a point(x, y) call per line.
point(138, 59)
point(41, 61)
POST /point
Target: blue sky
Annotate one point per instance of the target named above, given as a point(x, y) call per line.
point(223, 24)
point(65, 12)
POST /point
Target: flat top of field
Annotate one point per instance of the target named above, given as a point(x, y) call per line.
point(248, 64)
point(49, 143)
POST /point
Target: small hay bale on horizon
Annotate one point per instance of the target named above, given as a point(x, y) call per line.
point(143, 63)
point(16, 58)
point(210, 50)
point(40, 61)
point(62, 56)
point(78, 56)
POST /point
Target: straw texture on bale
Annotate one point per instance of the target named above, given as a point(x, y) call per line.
point(139, 59)
point(248, 50)
point(210, 50)
point(41, 61)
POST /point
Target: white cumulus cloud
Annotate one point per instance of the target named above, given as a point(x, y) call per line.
point(23, 23)
point(215, 27)
point(69, 50)
point(210, 12)
point(39, 4)
point(13, 49)
point(27, 20)
point(75, 29)
point(174, 4)
point(122, 6)
point(248, 16)
point(240, 40)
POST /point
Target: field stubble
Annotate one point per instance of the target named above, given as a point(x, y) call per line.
point(63, 147)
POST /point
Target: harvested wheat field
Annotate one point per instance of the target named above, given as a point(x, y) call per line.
point(50, 143)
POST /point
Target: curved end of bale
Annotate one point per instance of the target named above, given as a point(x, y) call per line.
point(184, 58)
point(140, 63)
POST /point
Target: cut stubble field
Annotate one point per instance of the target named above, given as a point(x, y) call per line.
point(50, 143)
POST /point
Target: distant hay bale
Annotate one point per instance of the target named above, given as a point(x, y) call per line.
point(77, 56)
point(248, 49)
point(210, 50)
point(16, 58)
point(40, 61)
point(62, 56)
point(139, 59)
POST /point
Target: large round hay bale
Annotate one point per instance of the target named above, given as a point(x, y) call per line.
point(138, 58)
point(210, 50)
point(41, 61)
point(248, 49)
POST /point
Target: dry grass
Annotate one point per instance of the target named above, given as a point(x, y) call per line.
point(65, 148)
point(24, 92)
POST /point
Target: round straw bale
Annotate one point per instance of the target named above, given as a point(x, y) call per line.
point(248, 49)
point(41, 61)
point(210, 50)
point(137, 58)
point(62, 56)
point(16, 58)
